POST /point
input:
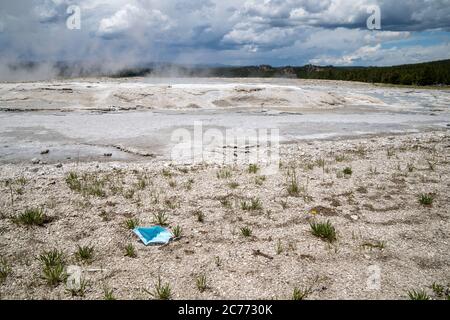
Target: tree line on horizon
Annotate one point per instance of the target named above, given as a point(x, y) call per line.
point(421, 74)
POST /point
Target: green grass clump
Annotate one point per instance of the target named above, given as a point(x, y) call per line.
point(438, 289)
point(254, 204)
point(85, 253)
point(160, 219)
point(246, 231)
point(223, 173)
point(52, 258)
point(108, 293)
point(201, 283)
point(347, 171)
point(233, 185)
point(418, 295)
point(200, 215)
point(132, 223)
point(426, 199)
point(162, 291)
point(260, 180)
point(32, 217)
point(253, 168)
point(177, 232)
point(323, 230)
point(73, 181)
point(87, 185)
point(166, 173)
point(142, 182)
point(53, 263)
point(300, 294)
point(130, 251)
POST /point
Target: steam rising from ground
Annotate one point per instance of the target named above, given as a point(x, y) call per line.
point(15, 71)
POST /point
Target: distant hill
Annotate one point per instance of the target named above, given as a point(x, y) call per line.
point(421, 74)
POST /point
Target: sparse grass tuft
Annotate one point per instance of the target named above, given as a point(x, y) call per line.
point(160, 219)
point(22, 181)
point(323, 230)
point(217, 261)
point(108, 293)
point(130, 251)
point(201, 283)
point(129, 194)
point(171, 203)
point(253, 168)
point(233, 185)
point(418, 295)
point(52, 258)
point(73, 182)
point(85, 253)
point(200, 216)
point(300, 294)
point(177, 232)
point(254, 204)
point(166, 173)
point(32, 217)
point(375, 244)
point(224, 173)
point(172, 183)
point(132, 223)
point(279, 247)
point(80, 290)
point(53, 266)
point(5, 269)
point(347, 171)
point(293, 187)
point(54, 275)
point(260, 180)
point(142, 182)
point(189, 183)
point(390, 152)
point(94, 188)
point(162, 291)
point(438, 289)
point(88, 185)
point(226, 203)
point(246, 231)
point(340, 158)
point(426, 199)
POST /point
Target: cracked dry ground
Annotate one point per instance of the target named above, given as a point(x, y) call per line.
point(382, 228)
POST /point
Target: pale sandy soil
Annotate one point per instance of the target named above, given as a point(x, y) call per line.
point(179, 94)
point(378, 203)
point(288, 95)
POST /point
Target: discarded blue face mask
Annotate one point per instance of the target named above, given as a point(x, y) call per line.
point(153, 235)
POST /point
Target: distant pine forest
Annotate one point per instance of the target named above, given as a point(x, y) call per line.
point(435, 73)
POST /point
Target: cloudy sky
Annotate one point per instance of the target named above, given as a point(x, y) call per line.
point(232, 32)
